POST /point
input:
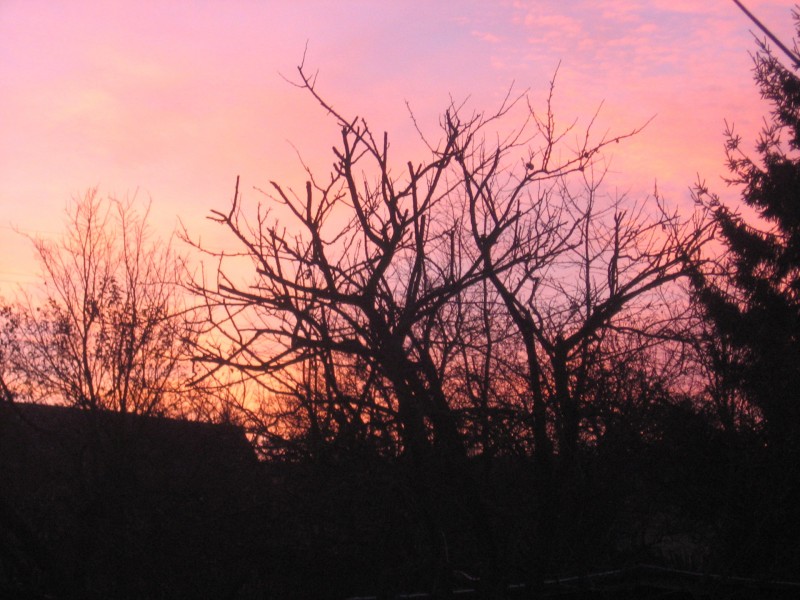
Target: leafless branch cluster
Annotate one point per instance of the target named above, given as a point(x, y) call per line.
point(456, 305)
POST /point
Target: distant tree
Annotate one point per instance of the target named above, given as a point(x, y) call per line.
point(584, 281)
point(107, 333)
point(107, 327)
point(589, 284)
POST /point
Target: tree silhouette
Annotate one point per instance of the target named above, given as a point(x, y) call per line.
point(444, 312)
point(103, 495)
point(584, 283)
point(752, 294)
point(107, 328)
point(751, 298)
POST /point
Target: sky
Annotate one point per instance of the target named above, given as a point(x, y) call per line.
point(171, 101)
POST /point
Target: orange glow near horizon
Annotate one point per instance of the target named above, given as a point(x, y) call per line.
point(177, 99)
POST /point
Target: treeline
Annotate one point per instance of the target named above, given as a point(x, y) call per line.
point(471, 370)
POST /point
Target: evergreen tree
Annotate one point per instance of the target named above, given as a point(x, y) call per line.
point(752, 295)
point(751, 299)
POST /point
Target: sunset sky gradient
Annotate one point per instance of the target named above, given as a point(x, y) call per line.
point(176, 98)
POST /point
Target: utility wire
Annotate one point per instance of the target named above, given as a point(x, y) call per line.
point(792, 55)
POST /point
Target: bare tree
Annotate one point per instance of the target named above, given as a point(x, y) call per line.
point(583, 278)
point(106, 332)
point(392, 301)
point(106, 329)
point(357, 282)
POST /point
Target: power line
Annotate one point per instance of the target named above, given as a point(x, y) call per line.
point(792, 55)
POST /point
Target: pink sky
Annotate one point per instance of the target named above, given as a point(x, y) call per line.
point(177, 98)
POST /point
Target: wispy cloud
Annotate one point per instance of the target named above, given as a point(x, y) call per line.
point(487, 36)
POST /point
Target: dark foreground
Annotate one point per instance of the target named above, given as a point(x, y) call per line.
point(101, 505)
